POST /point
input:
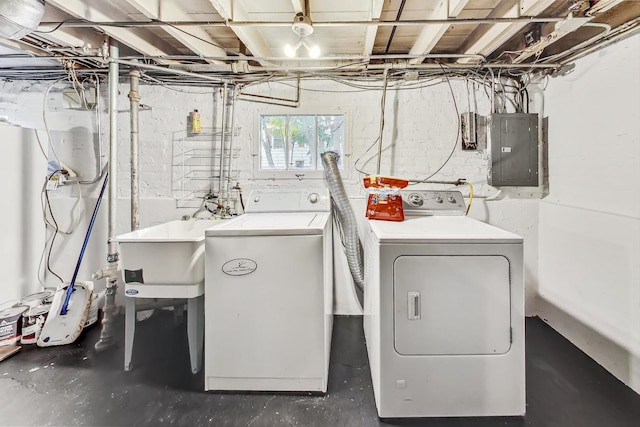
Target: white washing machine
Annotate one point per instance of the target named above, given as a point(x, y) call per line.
point(269, 294)
point(444, 312)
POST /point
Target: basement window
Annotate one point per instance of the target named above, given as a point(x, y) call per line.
point(290, 144)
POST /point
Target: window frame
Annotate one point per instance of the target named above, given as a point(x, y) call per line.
point(299, 174)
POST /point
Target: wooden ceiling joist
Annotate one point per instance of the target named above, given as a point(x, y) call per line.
point(195, 38)
point(147, 45)
point(431, 34)
point(497, 34)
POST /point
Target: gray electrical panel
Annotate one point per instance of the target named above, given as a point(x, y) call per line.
point(513, 139)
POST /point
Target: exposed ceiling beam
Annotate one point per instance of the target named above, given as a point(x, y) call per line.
point(249, 36)
point(372, 30)
point(604, 5)
point(133, 38)
point(560, 30)
point(431, 34)
point(195, 38)
point(496, 35)
point(68, 36)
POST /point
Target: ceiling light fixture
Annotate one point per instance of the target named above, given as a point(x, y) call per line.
point(19, 17)
point(303, 28)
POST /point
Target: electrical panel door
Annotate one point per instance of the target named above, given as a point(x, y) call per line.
point(514, 149)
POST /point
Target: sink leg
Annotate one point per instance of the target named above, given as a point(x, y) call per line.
point(195, 331)
point(129, 330)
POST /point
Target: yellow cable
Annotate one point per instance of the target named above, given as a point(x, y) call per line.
point(470, 197)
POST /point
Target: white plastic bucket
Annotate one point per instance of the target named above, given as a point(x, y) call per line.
point(32, 321)
point(10, 325)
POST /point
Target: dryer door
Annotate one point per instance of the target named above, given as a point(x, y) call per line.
point(452, 305)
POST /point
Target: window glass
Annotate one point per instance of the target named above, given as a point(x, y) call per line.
point(295, 142)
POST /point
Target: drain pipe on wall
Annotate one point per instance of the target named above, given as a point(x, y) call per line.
point(134, 97)
point(232, 113)
point(111, 273)
point(225, 111)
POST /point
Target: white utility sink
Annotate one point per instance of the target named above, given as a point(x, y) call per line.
point(168, 254)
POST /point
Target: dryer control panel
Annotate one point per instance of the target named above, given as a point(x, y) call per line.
point(432, 202)
point(289, 200)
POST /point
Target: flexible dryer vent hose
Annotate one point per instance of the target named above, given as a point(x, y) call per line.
point(346, 218)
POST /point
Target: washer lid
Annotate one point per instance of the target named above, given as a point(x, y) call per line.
point(272, 224)
point(440, 229)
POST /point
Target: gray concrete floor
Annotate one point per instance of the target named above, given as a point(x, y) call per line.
point(73, 385)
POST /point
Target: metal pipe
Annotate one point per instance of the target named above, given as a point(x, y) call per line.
point(241, 58)
point(382, 103)
point(404, 23)
point(106, 335)
point(225, 94)
point(214, 120)
point(166, 70)
point(457, 66)
point(134, 97)
point(233, 124)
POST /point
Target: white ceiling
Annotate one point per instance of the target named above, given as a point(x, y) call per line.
point(344, 29)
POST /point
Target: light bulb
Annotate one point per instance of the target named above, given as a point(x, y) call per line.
point(289, 51)
point(314, 52)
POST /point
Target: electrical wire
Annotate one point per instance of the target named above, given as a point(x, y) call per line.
point(470, 197)
point(164, 85)
point(55, 232)
point(46, 125)
point(455, 142)
point(57, 27)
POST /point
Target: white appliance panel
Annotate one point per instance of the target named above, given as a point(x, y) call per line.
point(440, 229)
point(268, 323)
point(452, 305)
point(442, 385)
point(289, 200)
point(269, 294)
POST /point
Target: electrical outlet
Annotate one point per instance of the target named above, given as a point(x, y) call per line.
point(52, 184)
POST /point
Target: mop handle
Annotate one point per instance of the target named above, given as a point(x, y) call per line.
point(71, 287)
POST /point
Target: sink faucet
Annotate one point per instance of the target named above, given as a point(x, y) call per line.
point(208, 198)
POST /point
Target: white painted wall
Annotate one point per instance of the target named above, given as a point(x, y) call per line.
point(21, 226)
point(589, 279)
point(75, 141)
point(420, 129)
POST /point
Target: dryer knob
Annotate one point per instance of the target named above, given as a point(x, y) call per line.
point(256, 199)
point(313, 197)
point(451, 199)
point(439, 199)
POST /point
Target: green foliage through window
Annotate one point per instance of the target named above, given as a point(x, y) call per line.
point(295, 142)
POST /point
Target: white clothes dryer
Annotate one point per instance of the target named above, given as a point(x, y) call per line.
point(269, 294)
point(444, 312)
